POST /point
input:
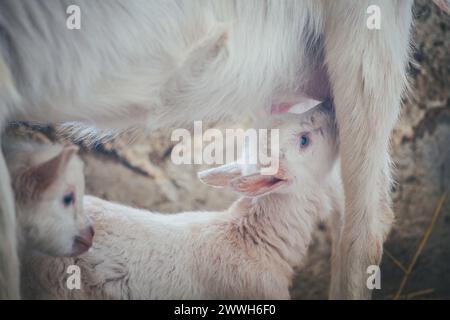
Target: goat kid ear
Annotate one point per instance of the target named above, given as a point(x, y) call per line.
point(58, 164)
point(256, 185)
point(220, 177)
point(300, 105)
point(44, 175)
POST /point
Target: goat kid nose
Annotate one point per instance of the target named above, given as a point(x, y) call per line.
point(83, 241)
point(91, 229)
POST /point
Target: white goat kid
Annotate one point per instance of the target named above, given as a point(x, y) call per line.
point(48, 183)
point(161, 63)
point(246, 252)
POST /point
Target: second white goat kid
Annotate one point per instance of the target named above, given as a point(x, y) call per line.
point(48, 184)
point(248, 251)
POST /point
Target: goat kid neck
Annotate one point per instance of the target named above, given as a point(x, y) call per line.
point(282, 222)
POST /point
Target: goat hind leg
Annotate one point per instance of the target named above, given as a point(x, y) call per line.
point(367, 74)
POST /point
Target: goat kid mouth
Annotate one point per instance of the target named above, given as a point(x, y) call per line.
point(82, 241)
point(278, 180)
point(80, 246)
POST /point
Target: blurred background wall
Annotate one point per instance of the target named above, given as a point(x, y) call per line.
point(141, 174)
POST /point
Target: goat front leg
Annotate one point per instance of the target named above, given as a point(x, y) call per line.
point(9, 263)
point(367, 74)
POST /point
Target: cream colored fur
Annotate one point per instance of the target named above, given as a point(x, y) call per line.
point(249, 251)
point(162, 63)
point(42, 175)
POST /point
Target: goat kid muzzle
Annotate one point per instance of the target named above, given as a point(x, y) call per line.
point(83, 241)
point(257, 184)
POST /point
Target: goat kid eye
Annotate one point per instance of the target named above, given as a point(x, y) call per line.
point(304, 141)
point(69, 199)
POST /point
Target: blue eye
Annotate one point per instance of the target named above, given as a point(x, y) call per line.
point(69, 199)
point(304, 141)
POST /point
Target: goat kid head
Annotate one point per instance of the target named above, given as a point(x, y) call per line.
point(50, 212)
point(308, 149)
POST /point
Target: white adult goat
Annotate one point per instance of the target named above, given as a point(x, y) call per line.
point(161, 63)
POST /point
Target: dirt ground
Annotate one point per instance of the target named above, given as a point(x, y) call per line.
point(142, 175)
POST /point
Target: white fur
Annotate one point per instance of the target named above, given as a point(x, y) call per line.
point(45, 223)
point(246, 252)
point(162, 63)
